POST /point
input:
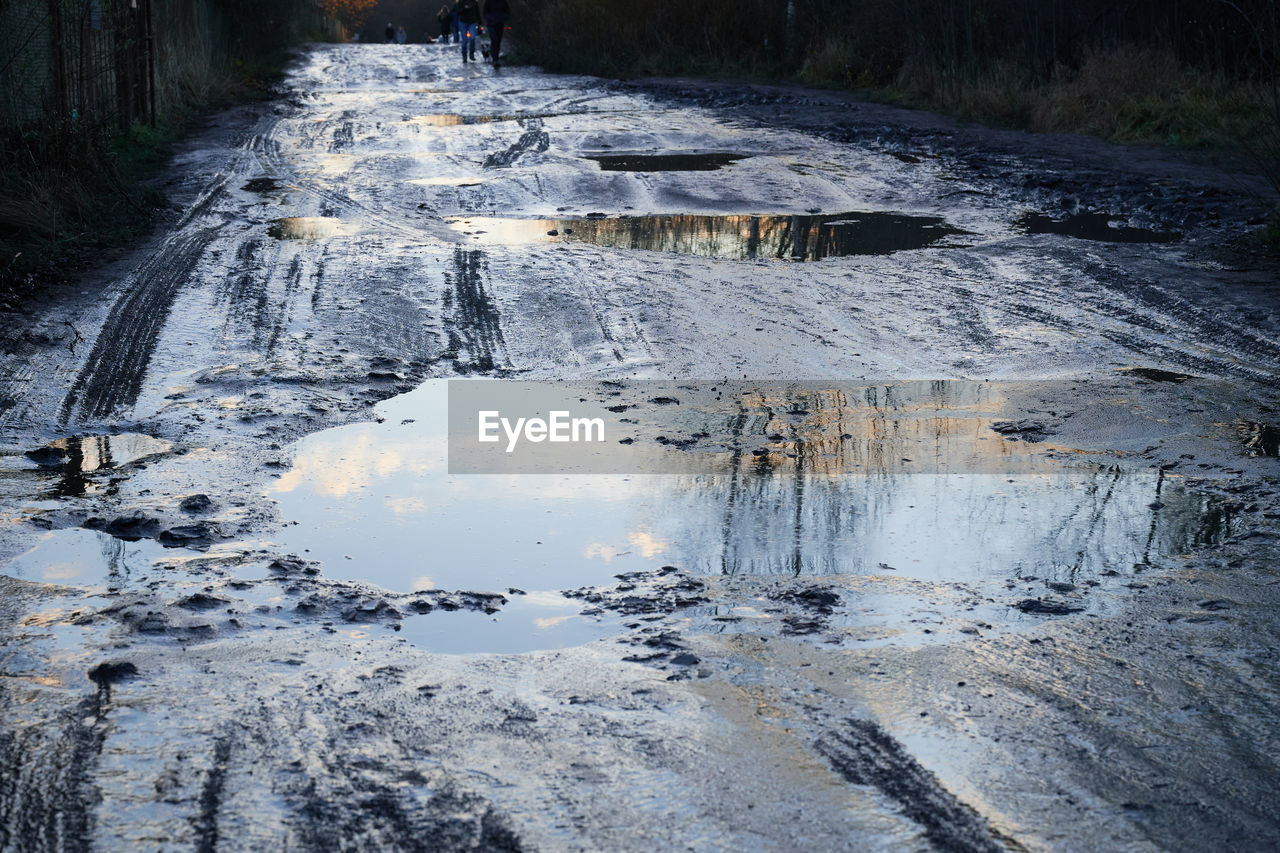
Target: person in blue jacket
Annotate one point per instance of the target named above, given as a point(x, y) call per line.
point(469, 19)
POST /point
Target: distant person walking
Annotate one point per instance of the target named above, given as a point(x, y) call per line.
point(496, 13)
point(469, 19)
point(401, 36)
point(457, 25)
point(445, 19)
point(389, 34)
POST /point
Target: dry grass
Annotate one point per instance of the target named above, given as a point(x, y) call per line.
point(1136, 95)
point(900, 51)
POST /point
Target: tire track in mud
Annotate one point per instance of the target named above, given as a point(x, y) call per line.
point(472, 329)
point(1147, 320)
point(317, 279)
point(1151, 313)
point(534, 139)
point(618, 327)
point(251, 303)
point(865, 754)
point(292, 284)
point(47, 793)
point(340, 786)
point(247, 297)
point(112, 375)
point(210, 799)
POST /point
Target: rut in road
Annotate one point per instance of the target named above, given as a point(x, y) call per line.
point(47, 790)
point(865, 754)
point(112, 375)
point(472, 330)
point(533, 139)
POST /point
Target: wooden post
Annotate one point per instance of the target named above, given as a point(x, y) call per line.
point(151, 66)
point(59, 61)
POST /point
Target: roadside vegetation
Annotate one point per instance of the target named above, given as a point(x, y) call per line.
point(1189, 73)
point(74, 179)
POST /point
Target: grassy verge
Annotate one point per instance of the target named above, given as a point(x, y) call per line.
point(65, 195)
point(72, 189)
point(1198, 78)
point(1125, 94)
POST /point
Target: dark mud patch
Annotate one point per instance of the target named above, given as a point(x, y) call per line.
point(1046, 607)
point(644, 593)
point(262, 185)
point(309, 228)
point(805, 237)
point(196, 504)
point(1024, 430)
point(1155, 374)
point(135, 526)
point(1261, 439)
point(109, 673)
point(811, 608)
point(664, 162)
point(533, 141)
point(1094, 226)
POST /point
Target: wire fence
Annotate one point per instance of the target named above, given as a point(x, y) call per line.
point(76, 59)
point(116, 62)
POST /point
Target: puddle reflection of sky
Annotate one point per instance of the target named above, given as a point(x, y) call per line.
point(376, 501)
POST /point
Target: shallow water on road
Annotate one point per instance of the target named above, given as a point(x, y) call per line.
point(664, 162)
point(785, 237)
point(377, 502)
point(85, 558)
point(1094, 226)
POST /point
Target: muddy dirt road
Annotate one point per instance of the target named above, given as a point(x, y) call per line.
point(1025, 598)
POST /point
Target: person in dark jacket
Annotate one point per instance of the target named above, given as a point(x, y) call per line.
point(445, 19)
point(469, 19)
point(496, 13)
point(390, 33)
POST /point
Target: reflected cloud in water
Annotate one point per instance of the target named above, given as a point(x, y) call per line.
point(906, 480)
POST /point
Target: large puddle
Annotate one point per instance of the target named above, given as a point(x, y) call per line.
point(664, 162)
point(1094, 226)
point(376, 502)
point(744, 237)
point(310, 228)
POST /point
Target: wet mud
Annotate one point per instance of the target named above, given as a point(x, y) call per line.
point(262, 185)
point(1012, 592)
point(1262, 439)
point(308, 228)
point(1094, 226)
point(664, 162)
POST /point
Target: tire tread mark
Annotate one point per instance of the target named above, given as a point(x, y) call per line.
point(865, 754)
